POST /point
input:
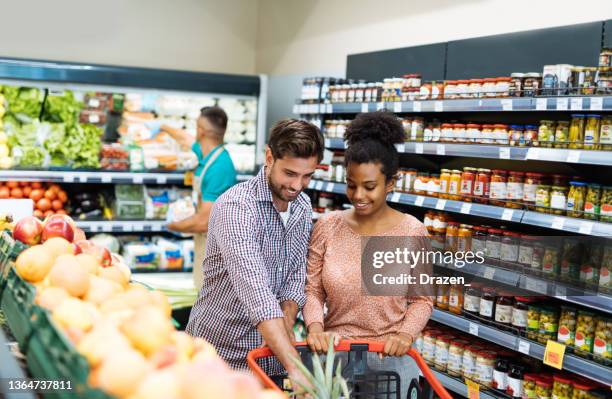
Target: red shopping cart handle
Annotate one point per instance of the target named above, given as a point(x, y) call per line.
point(345, 346)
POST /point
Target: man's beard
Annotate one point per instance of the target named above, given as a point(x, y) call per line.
point(277, 190)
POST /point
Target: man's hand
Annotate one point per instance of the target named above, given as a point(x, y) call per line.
point(397, 345)
point(297, 378)
point(318, 340)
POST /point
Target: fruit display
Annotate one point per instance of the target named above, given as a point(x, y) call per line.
point(48, 198)
point(121, 328)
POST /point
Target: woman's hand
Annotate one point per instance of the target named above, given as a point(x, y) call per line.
point(397, 345)
point(318, 340)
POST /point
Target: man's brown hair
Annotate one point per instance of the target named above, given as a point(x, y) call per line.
point(296, 139)
point(217, 118)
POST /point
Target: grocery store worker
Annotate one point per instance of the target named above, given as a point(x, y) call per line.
point(334, 259)
point(214, 174)
point(255, 264)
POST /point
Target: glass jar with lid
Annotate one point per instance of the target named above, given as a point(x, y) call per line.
point(455, 357)
point(542, 202)
point(514, 189)
point(502, 86)
point(576, 132)
point(533, 321)
point(486, 309)
point(455, 299)
point(445, 176)
point(429, 345)
point(433, 185)
point(605, 133)
point(463, 90)
point(591, 132)
point(602, 342)
point(581, 389)
point(532, 84)
point(416, 129)
point(367, 93)
point(530, 186)
point(475, 88)
point(530, 134)
point(503, 309)
point(442, 295)
point(498, 187)
point(606, 204)
point(441, 354)
point(447, 133)
point(428, 221)
point(485, 363)
point(561, 134)
point(471, 300)
point(567, 325)
point(452, 236)
point(464, 238)
point(585, 332)
point(529, 386)
point(544, 386)
point(410, 176)
point(538, 256)
point(562, 387)
point(489, 88)
point(440, 223)
point(437, 90)
point(558, 199)
point(494, 243)
point(482, 185)
point(509, 248)
point(516, 134)
point(479, 240)
point(500, 373)
point(592, 202)
point(525, 254)
point(459, 133)
point(472, 133)
point(500, 131)
point(516, 380)
point(454, 185)
point(549, 324)
point(466, 189)
point(420, 183)
point(520, 313)
point(546, 134)
point(516, 84)
point(551, 261)
point(488, 137)
point(468, 363)
point(450, 89)
point(351, 93)
point(575, 199)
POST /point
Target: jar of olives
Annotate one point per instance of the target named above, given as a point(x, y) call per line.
point(606, 204)
point(544, 385)
point(567, 325)
point(542, 200)
point(580, 389)
point(561, 134)
point(592, 204)
point(585, 332)
point(533, 321)
point(551, 261)
point(562, 387)
point(529, 386)
point(549, 324)
point(602, 344)
point(546, 134)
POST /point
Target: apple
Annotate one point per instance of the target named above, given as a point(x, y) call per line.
point(28, 230)
point(57, 227)
point(102, 255)
point(59, 216)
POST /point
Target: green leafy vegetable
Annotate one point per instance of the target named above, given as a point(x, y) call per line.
point(62, 108)
point(24, 103)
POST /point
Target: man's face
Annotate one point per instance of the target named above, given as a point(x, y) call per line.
point(203, 128)
point(287, 177)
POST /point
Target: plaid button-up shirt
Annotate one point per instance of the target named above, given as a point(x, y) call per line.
point(252, 264)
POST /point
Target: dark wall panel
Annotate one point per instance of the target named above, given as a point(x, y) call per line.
point(607, 42)
point(428, 60)
point(528, 51)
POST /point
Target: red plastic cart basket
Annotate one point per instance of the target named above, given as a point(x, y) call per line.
point(380, 384)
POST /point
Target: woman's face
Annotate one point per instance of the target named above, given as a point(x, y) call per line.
point(366, 187)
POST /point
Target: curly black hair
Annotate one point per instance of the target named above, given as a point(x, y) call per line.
point(370, 138)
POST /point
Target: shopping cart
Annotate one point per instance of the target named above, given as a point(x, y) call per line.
point(363, 382)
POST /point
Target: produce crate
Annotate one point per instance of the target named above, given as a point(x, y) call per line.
point(51, 356)
point(6, 250)
point(16, 301)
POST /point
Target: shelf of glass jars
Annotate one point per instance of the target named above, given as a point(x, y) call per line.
point(516, 342)
point(522, 277)
point(495, 152)
point(548, 221)
point(121, 226)
point(459, 387)
point(562, 103)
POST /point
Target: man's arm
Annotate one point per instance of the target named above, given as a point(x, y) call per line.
point(198, 223)
point(181, 136)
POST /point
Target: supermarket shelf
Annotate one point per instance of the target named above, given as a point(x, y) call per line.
point(569, 103)
point(596, 300)
point(169, 281)
point(467, 208)
point(459, 387)
point(571, 362)
point(568, 224)
point(93, 177)
point(122, 226)
point(496, 152)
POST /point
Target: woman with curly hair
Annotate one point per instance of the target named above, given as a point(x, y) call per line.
point(334, 259)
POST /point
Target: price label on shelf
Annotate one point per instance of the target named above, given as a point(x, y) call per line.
point(504, 153)
point(395, 197)
point(541, 104)
point(82, 178)
point(161, 179)
point(489, 272)
point(127, 227)
point(576, 104)
point(106, 178)
point(561, 292)
point(506, 105)
point(68, 177)
point(329, 109)
point(573, 156)
point(106, 227)
point(327, 143)
point(319, 185)
point(364, 107)
point(554, 353)
point(137, 179)
point(380, 106)
point(440, 149)
point(439, 106)
point(558, 223)
point(330, 187)
point(94, 118)
point(93, 228)
point(533, 153)
point(585, 227)
point(535, 285)
point(473, 389)
point(400, 147)
point(419, 200)
point(397, 107)
point(596, 103)
point(418, 148)
point(523, 347)
point(466, 207)
point(138, 227)
point(473, 328)
point(416, 106)
point(507, 214)
point(440, 204)
point(562, 103)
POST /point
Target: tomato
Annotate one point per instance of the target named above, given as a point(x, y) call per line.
point(36, 184)
point(56, 205)
point(39, 214)
point(62, 212)
point(62, 196)
point(43, 204)
point(17, 193)
point(12, 184)
point(55, 188)
point(50, 195)
point(36, 194)
point(27, 190)
point(5, 192)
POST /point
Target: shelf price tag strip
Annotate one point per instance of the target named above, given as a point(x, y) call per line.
point(576, 104)
point(541, 104)
point(596, 103)
point(523, 347)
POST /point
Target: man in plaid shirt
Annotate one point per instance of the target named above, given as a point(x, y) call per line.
point(255, 262)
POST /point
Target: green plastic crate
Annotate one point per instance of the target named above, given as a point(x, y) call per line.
point(17, 303)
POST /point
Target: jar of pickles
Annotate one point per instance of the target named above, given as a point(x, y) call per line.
point(592, 204)
point(606, 204)
point(514, 189)
point(542, 200)
point(561, 134)
point(591, 132)
point(485, 363)
point(558, 199)
point(482, 185)
point(549, 324)
point(576, 132)
point(544, 387)
point(454, 185)
point(551, 261)
point(585, 332)
point(445, 176)
point(533, 321)
point(575, 199)
point(605, 133)
point(602, 344)
point(499, 187)
point(546, 134)
point(567, 325)
point(530, 186)
point(562, 387)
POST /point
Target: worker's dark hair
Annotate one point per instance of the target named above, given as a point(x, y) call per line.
point(370, 138)
point(297, 139)
point(217, 118)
